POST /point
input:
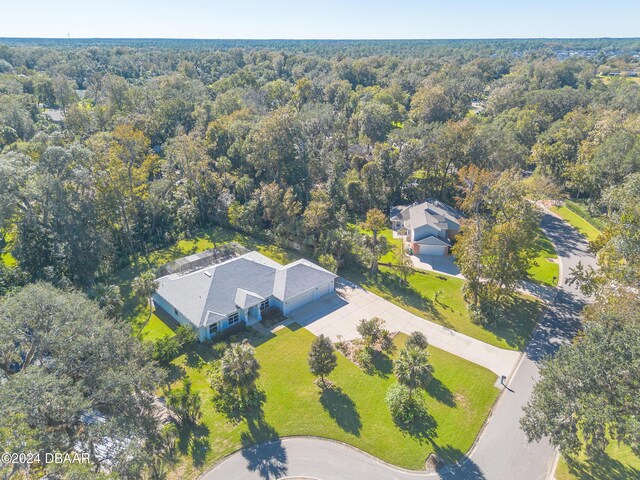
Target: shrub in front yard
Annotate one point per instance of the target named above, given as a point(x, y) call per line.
point(399, 401)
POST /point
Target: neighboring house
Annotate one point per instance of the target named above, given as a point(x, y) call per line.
point(238, 290)
point(428, 227)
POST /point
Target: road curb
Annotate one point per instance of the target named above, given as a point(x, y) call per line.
point(421, 473)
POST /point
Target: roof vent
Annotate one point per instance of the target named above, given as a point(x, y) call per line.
point(208, 274)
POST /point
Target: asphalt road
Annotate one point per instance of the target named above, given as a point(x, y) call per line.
point(501, 452)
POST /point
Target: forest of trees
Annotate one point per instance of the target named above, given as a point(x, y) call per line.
point(295, 143)
point(157, 143)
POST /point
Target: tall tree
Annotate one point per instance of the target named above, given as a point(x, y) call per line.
point(58, 368)
point(589, 391)
point(322, 358)
point(375, 221)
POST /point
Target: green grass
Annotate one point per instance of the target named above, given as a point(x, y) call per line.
point(439, 298)
point(5, 251)
point(354, 411)
point(156, 329)
point(576, 221)
point(393, 243)
point(618, 463)
point(545, 271)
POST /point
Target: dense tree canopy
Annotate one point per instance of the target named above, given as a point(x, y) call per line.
point(292, 141)
point(63, 365)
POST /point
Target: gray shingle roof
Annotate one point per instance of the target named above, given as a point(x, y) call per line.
point(430, 212)
point(211, 294)
point(297, 278)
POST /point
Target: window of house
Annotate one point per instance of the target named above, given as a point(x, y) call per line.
point(264, 304)
point(213, 328)
point(175, 310)
point(233, 318)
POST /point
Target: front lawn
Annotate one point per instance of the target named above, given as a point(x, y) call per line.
point(545, 271)
point(576, 221)
point(354, 411)
point(439, 298)
point(618, 463)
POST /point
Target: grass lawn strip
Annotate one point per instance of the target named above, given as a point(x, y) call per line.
point(546, 271)
point(618, 463)
point(353, 412)
point(576, 221)
point(439, 298)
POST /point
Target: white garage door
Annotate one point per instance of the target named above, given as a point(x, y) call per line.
point(433, 249)
point(299, 301)
point(323, 290)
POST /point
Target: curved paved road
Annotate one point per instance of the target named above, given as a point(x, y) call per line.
point(501, 452)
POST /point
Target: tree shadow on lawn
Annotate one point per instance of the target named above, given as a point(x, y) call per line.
point(441, 393)
point(174, 373)
point(382, 365)
point(268, 459)
point(421, 425)
point(193, 440)
point(519, 322)
point(342, 409)
point(388, 283)
point(601, 467)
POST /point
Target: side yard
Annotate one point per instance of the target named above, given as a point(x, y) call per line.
point(576, 221)
point(353, 411)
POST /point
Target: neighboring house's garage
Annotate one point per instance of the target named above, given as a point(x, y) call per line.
point(433, 250)
point(430, 246)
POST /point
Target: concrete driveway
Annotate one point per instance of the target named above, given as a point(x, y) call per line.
point(445, 264)
point(339, 314)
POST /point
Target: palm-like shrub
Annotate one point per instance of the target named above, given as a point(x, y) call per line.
point(412, 368)
point(239, 367)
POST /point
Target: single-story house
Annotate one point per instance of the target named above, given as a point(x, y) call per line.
point(214, 298)
point(428, 227)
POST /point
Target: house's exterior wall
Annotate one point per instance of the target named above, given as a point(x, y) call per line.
point(274, 302)
point(245, 315)
point(159, 301)
point(424, 231)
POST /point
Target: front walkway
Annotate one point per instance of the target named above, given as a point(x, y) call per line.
point(338, 315)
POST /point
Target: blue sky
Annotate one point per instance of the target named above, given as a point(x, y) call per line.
point(319, 19)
